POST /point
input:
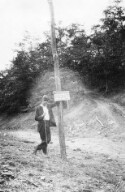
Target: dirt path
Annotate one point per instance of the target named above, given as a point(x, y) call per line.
point(96, 145)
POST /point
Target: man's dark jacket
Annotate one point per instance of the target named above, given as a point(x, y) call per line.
point(39, 115)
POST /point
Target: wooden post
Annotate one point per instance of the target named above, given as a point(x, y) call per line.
point(58, 83)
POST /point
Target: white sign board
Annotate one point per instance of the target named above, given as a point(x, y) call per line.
point(61, 96)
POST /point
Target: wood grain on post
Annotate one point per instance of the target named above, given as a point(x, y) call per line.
point(57, 83)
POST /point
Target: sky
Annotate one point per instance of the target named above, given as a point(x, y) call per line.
point(33, 16)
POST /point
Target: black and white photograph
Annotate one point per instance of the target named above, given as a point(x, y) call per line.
point(62, 95)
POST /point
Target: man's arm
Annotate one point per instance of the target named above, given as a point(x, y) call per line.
point(53, 104)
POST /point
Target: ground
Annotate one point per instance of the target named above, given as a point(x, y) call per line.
point(95, 162)
point(95, 147)
point(92, 165)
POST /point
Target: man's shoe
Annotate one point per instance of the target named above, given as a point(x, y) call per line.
point(44, 147)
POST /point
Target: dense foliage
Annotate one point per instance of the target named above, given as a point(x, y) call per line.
point(99, 58)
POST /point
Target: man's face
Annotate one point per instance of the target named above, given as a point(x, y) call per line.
point(45, 102)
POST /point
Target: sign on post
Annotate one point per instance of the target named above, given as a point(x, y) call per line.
point(61, 96)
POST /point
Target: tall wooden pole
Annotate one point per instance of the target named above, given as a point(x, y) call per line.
point(57, 82)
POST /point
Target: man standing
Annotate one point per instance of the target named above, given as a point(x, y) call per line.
point(44, 116)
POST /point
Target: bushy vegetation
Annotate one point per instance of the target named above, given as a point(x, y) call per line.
point(99, 58)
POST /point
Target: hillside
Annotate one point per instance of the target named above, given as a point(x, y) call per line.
point(86, 112)
point(95, 142)
point(45, 84)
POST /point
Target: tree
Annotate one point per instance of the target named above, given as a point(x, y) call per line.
point(108, 42)
point(26, 66)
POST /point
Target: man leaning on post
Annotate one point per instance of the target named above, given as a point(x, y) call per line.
point(45, 118)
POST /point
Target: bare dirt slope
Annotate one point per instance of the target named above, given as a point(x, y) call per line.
point(95, 145)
